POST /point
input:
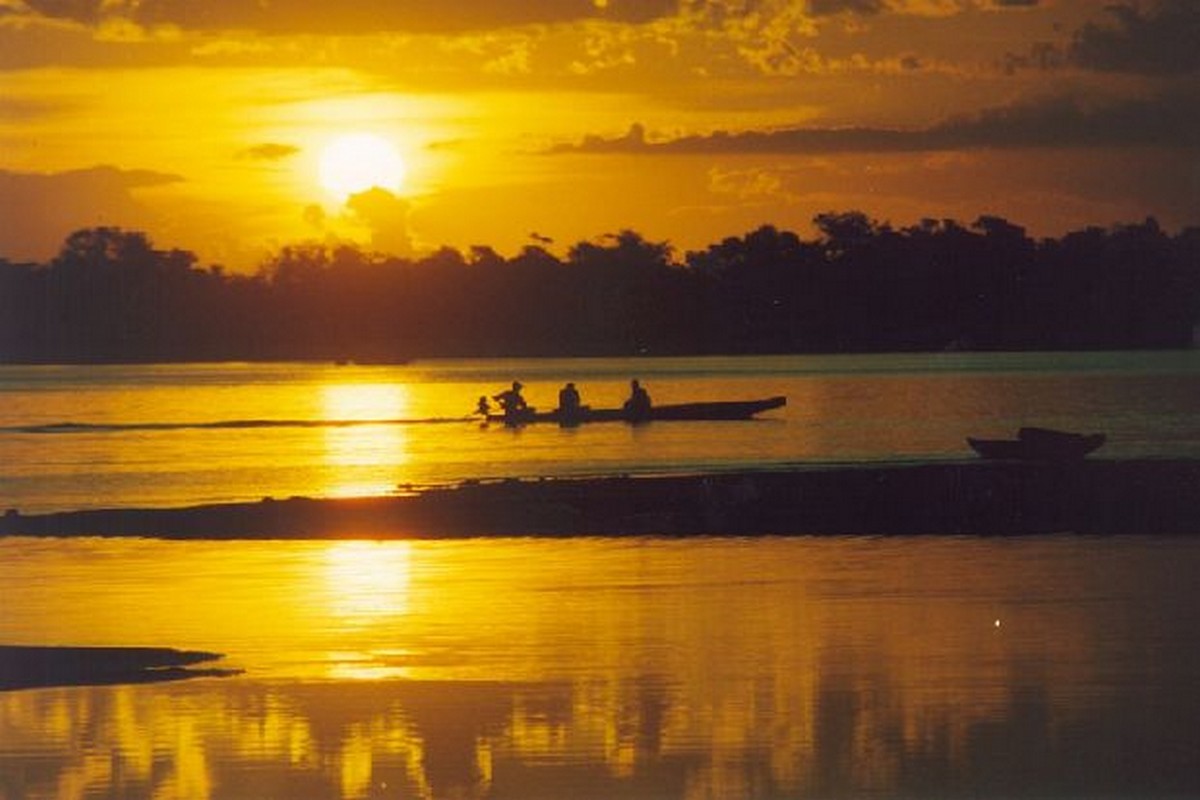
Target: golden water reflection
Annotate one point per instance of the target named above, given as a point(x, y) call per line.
point(360, 459)
point(367, 579)
point(618, 668)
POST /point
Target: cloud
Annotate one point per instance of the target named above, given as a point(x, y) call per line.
point(42, 209)
point(351, 16)
point(269, 151)
point(28, 40)
point(387, 218)
point(789, 38)
point(1160, 41)
point(821, 8)
point(1164, 121)
point(1164, 40)
point(749, 185)
point(87, 11)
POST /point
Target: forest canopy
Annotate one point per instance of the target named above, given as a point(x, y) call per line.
point(859, 285)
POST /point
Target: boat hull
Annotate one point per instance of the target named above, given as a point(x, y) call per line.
point(1038, 444)
point(710, 411)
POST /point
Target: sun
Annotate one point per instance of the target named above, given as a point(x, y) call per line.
point(356, 162)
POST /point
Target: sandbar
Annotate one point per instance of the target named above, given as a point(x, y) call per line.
point(970, 497)
point(29, 667)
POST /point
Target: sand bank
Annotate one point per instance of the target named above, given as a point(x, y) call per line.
point(31, 667)
point(954, 498)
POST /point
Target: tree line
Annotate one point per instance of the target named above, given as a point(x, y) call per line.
point(857, 286)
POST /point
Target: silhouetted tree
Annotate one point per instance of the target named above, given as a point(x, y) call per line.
point(860, 285)
point(625, 282)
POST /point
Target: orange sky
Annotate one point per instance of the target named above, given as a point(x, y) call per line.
point(203, 123)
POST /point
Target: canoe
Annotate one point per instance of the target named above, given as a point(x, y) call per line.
point(713, 410)
point(1039, 444)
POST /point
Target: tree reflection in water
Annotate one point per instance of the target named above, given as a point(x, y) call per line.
point(480, 739)
point(647, 668)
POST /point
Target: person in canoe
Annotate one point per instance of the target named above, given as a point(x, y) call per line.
point(569, 404)
point(637, 407)
point(511, 402)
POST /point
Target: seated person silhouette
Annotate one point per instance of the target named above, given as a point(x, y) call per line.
point(512, 403)
point(569, 406)
point(637, 407)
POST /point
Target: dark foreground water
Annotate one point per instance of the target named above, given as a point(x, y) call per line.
point(924, 667)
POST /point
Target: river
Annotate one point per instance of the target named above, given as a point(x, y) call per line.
point(170, 435)
point(590, 667)
point(616, 668)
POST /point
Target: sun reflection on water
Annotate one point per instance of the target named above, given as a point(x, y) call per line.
point(616, 668)
point(367, 580)
point(360, 457)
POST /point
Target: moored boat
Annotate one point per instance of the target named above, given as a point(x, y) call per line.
point(706, 411)
point(1039, 444)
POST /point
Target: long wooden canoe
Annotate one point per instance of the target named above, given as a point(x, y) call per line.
point(712, 410)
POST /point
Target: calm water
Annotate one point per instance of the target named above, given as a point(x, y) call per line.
point(606, 668)
point(78, 437)
point(594, 668)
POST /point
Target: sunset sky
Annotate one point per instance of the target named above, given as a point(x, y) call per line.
point(215, 125)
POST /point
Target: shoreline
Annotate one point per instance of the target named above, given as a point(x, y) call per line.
point(981, 498)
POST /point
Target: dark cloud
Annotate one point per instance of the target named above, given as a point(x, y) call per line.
point(1163, 40)
point(354, 16)
point(269, 151)
point(822, 8)
point(1015, 3)
point(1170, 119)
point(387, 217)
point(1164, 121)
point(87, 11)
point(42, 209)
